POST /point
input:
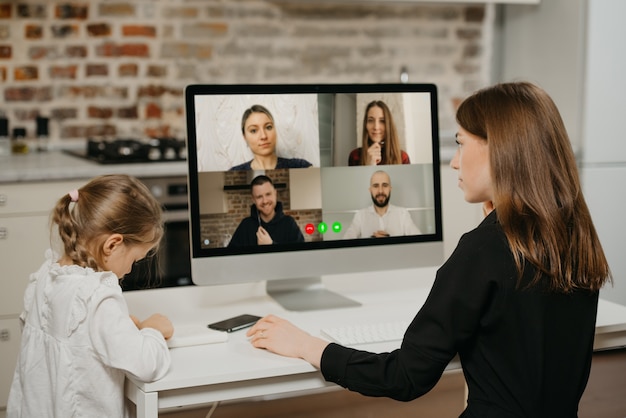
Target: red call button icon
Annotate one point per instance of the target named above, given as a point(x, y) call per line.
point(309, 228)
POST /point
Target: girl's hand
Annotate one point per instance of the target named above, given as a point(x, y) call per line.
point(159, 322)
point(135, 320)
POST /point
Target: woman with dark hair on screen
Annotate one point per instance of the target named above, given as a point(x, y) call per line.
point(380, 143)
point(259, 131)
point(517, 300)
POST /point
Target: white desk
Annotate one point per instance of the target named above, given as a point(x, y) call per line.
point(236, 370)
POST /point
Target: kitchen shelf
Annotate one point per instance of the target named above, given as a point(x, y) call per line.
point(229, 187)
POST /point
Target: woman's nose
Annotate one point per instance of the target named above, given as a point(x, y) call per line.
point(454, 162)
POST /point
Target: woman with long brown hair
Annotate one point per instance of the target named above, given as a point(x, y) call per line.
point(517, 300)
point(380, 142)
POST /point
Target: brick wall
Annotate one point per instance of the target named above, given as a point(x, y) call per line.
point(111, 68)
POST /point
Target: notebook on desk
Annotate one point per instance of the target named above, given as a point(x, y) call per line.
point(195, 334)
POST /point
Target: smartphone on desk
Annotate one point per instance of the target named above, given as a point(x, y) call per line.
point(235, 323)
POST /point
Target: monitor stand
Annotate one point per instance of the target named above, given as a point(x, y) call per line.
point(306, 294)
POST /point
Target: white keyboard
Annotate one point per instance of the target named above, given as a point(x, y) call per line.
point(376, 332)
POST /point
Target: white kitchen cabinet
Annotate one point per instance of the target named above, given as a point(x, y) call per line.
point(22, 246)
point(24, 237)
point(9, 347)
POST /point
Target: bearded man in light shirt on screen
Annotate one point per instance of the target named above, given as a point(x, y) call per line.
point(382, 219)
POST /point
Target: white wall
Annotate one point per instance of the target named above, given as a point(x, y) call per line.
point(458, 215)
point(543, 43)
point(574, 50)
point(603, 106)
point(604, 148)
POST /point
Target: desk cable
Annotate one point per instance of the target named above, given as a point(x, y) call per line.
point(213, 408)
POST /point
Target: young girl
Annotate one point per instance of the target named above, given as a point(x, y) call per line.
point(518, 297)
point(78, 339)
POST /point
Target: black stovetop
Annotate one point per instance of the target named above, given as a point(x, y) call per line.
point(123, 150)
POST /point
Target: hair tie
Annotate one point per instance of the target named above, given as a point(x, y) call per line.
point(74, 195)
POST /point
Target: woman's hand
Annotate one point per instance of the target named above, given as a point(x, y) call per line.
point(282, 337)
point(380, 234)
point(374, 154)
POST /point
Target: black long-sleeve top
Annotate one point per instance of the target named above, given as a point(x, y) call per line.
point(524, 353)
point(282, 228)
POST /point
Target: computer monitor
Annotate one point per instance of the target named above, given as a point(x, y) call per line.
point(314, 132)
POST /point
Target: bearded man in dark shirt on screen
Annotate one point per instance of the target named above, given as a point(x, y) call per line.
point(267, 223)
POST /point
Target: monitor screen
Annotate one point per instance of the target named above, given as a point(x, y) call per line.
point(288, 183)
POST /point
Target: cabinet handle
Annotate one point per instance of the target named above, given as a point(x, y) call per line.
point(3, 199)
point(3, 232)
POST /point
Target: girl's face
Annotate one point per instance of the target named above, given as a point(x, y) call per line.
point(472, 162)
point(260, 134)
point(122, 257)
point(375, 124)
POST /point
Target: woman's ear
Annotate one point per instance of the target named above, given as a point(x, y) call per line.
point(111, 243)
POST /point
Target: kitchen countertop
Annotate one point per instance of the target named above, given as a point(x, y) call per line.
point(60, 166)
